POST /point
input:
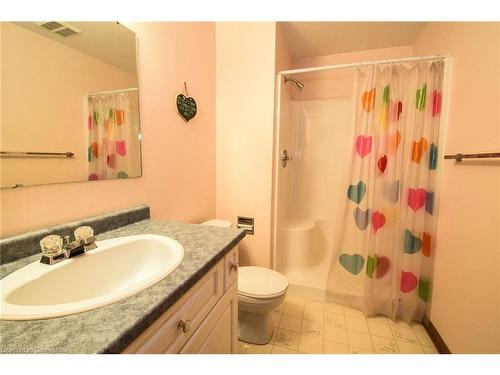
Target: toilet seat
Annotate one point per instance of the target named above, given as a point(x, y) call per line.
point(261, 283)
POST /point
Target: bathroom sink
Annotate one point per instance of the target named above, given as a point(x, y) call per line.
point(118, 268)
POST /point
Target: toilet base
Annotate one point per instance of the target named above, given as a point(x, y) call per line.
point(255, 328)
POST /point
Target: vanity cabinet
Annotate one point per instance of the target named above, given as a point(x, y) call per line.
point(204, 320)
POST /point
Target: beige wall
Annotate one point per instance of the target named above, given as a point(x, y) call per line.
point(178, 158)
point(245, 55)
point(466, 293)
point(52, 80)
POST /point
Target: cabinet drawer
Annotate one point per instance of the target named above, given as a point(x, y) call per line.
point(166, 335)
point(230, 267)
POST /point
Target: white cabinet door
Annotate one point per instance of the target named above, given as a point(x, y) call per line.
point(166, 335)
point(218, 333)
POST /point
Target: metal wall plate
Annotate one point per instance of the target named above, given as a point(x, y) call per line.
point(246, 223)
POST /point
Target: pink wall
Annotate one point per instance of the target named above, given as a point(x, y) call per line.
point(245, 115)
point(178, 159)
point(466, 293)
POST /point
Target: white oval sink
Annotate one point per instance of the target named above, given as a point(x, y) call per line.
point(118, 268)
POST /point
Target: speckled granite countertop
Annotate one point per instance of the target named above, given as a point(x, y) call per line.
point(112, 328)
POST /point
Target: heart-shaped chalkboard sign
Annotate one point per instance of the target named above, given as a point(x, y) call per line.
point(186, 107)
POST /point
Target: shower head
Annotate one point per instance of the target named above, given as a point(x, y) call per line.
point(299, 84)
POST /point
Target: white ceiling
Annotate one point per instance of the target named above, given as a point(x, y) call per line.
point(307, 39)
point(110, 42)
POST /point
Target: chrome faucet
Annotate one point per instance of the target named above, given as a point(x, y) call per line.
point(59, 250)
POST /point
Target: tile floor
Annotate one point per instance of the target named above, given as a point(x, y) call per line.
point(304, 326)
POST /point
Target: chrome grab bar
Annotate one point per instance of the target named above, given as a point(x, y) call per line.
point(459, 157)
point(67, 154)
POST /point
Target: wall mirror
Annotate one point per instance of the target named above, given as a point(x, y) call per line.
point(69, 103)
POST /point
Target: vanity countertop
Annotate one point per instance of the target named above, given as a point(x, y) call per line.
point(112, 328)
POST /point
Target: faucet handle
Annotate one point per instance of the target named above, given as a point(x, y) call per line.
point(82, 233)
point(51, 245)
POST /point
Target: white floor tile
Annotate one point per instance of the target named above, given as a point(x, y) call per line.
point(399, 323)
point(378, 329)
point(313, 315)
point(295, 300)
point(276, 318)
point(354, 350)
point(242, 347)
point(330, 347)
point(291, 309)
point(423, 338)
point(384, 345)
point(290, 323)
point(315, 305)
point(334, 307)
point(429, 349)
point(310, 345)
point(377, 319)
point(313, 329)
point(311, 326)
point(335, 319)
point(404, 334)
point(287, 339)
point(417, 326)
point(408, 348)
point(338, 335)
point(359, 340)
point(355, 324)
point(282, 350)
point(259, 349)
point(354, 313)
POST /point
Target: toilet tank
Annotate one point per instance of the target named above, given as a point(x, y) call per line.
point(217, 223)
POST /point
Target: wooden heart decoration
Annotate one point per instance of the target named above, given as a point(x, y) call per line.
point(186, 106)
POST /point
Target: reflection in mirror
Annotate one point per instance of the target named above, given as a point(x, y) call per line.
point(69, 103)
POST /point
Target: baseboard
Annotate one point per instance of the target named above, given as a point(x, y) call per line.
point(436, 338)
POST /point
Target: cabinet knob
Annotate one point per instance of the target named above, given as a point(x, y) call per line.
point(184, 325)
point(233, 266)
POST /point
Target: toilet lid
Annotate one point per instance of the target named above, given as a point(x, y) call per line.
point(259, 282)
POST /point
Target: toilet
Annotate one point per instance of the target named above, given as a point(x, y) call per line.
point(260, 291)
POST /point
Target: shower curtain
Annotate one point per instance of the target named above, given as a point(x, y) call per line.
point(111, 147)
point(389, 225)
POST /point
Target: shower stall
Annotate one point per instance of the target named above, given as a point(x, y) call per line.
point(313, 136)
point(313, 148)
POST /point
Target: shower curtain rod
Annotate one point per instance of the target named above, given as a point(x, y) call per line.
point(362, 63)
point(112, 91)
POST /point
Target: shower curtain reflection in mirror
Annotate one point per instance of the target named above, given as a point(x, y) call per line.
point(113, 135)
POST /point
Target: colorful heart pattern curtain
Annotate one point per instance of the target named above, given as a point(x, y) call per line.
point(389, 231)
point(109, 136)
